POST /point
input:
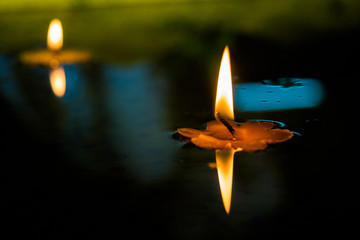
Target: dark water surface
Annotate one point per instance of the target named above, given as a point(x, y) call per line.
point(101, 161)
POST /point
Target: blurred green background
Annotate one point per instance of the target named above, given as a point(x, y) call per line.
point(127, 30)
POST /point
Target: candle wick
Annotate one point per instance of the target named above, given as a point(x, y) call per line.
point(222, 120)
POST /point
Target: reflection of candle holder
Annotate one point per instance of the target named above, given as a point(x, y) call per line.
point(54, 56)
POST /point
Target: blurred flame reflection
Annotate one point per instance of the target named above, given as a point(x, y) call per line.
point(58, 81)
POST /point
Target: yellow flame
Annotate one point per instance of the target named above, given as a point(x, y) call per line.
point(58, 81)
point(225, 163)
point(224, 105)
point(224, 95)
point(55, 35)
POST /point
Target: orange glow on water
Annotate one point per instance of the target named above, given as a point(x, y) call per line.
point(225, 163)
point(58, 81)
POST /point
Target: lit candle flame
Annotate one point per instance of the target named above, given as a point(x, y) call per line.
point(55, 35)
point(224, 105)
point(224, 95)
point(58, 81)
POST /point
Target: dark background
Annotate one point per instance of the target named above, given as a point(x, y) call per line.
point(101, 161)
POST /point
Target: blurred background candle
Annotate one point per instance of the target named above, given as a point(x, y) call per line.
point(53, 56)
point(55, 35)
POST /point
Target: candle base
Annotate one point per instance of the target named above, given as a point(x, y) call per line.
point(54, 58)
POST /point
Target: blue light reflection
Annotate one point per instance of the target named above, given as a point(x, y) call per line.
point(283, 94)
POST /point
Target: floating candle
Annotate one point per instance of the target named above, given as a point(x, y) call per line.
point(53, 56)
point(224, 133)
point(227, 137)
point(248, 137)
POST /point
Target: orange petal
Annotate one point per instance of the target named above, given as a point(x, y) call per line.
point(210, 142)
point(218, 130)
point(250, 146)
point(261, 130)
point(215, 123)
point(255, 126)
point(189, 132)
point(279, 135)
